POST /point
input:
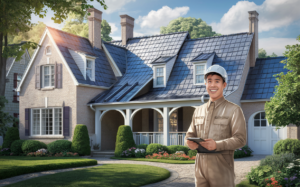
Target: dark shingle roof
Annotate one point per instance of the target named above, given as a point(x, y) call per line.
point(9, 62)
point(260, 82)
point(163, 59)
point(118, 54)
point(202, 56)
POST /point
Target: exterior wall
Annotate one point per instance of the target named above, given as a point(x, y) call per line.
point(79, 60)
point(187, 117)
point(34, 98)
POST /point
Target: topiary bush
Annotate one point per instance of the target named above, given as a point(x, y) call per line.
point(32, 146)
point(173, 148)
point(277, 162)
point(142, 146)
point(81, 140)
point(16, 147)
point(192, 153)
point(124, 139)
point(287, 146)
point(155, 148)
point(11, 135)
point(59, 146)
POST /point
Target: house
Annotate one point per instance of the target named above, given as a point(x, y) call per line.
point(151, 83)
point(14, 73)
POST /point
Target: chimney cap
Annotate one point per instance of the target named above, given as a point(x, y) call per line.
point(253, 12)
point(126, 16)
point(94, 10)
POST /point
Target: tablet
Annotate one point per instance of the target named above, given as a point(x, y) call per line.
point(195, 139)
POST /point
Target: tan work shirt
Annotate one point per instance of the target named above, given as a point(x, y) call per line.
point(222, 121)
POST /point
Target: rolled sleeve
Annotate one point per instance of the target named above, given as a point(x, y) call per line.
point(239, 132)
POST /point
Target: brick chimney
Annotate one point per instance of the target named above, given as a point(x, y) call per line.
point(253, 28)
point(95, 20)
point(127, 24)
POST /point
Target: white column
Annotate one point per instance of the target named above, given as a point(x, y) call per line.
point(166, 126)
point(128, 118)
point(98, 127)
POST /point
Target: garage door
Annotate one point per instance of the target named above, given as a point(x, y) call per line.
point(262, 135)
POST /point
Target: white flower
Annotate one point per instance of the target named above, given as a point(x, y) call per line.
point(179, 152)
point(140, 150)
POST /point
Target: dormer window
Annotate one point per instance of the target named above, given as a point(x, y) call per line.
point(90, 69)
point(48, 50)
point(199, 71)
point(159, 76)
point(201, 63)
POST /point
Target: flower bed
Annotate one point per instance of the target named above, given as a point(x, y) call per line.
point(179, 155)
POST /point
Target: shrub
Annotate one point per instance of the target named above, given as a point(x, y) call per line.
point(81, 140)
point(256, 176)
point(242, 152)
point(12, 134)
point(16, 147)
point(32, 146)
point(59, 146)
point(287, 146)
point(155, 148)
point(5, 152)
point(142, 146)
point(277, 162)
point(124, 139)
point(140, 153)
point(130, 152)
point(192, 153)
point(173, 148)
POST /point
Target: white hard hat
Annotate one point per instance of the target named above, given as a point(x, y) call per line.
point(217, 69)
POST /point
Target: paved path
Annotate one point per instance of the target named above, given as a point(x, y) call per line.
point(181, 174)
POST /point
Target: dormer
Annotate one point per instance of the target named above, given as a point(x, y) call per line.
point(162, 68)
point(201, 63)
point(86, 64)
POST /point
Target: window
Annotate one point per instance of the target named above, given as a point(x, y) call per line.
point(47, 121)
point(199, 71)
point(160, 123)
point(89, 69)
point(48, 50)
point(48, 76)
point(174, 121)
point(159, 76)
point(260, 120)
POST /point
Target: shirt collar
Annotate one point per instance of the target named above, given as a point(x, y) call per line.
point(217, 102)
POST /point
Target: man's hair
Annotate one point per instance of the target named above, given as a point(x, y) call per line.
point(213, 73)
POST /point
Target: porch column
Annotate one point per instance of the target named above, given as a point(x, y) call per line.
point(98, 127)
point(166, 126)
point(128, 118)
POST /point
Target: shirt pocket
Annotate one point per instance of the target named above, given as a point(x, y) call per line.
point(223, 128)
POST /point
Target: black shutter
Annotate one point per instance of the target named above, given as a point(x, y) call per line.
point(66, 120)
point(27, 121)
point(15, 80)
point(151, 125)
point(180, 119)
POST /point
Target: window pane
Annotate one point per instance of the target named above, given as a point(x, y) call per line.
point(173, 122)
point(160, 81)
point(257, 116)
point(199, 69)
point(263, 115)
point(47, 122)
point(89, 73)
point(46, 80)
point(36, 122)
point(58, 122)
point(199, 78)
point(159, 72)
point(160, 122)
point(19, 77)
point(46, 70)
point(89, 64)
point(263, 122)
point(52, 80)
point(256, 123)
point(48, 50)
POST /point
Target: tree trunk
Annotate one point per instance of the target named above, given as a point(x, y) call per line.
point(2, 65)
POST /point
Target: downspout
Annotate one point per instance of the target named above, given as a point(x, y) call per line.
point(91, 106)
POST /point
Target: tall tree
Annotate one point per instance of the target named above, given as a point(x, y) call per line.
point(196, 27)
point(15, 16)
point(263, 54)
point(284, 108)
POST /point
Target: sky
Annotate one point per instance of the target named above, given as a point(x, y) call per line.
point(279, 20)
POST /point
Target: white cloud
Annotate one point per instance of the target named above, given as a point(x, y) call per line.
point(161, 17)
point(276, 45)
point(113, 5)
point(113, 27)
point(272, 14)
point(116, 37)
point(137, 34)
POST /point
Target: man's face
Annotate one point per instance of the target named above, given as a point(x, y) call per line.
point(214, 86)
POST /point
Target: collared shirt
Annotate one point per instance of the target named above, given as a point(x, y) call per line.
point(222, 121)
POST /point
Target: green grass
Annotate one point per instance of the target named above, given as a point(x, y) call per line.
point(157, 160)
point(245, 183)
point(11, 166)
point(105, 176)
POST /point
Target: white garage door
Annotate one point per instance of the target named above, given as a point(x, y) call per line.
point(262, 135)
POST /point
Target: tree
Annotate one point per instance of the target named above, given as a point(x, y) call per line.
point(196, 27)
point(284, 108)
point(15, 16)
point(263, 54)
point(5, 118)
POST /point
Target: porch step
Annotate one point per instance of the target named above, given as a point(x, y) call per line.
point(102, 153)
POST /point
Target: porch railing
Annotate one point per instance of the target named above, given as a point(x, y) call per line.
point(176, 138)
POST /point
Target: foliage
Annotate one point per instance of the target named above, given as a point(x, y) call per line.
point(59, 146)
point(277, 162)
point(96, 146)
point(142, 146)
point(16, 147)
point(242, 152)
point(5, 118)
point(130, 152)
point(14, 166)
point(140, 153)
point(32, 146)
point(173, 148)
point(287, 146)
point(192, 153)
point(263, 54)
point(124, 139)
point(81, 140)
point(257, 175)
point(156, 148)
point(5, 152)
point(165, 155)
point(12, 134)
point(197, 27)
point(283, 109)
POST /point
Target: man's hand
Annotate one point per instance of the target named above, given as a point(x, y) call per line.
point(192, 145)
point(209, 144)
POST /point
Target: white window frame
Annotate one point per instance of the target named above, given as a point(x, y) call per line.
point(46, 52)
point(93, 68)
point(201, 63)
point(53, 112)
point(155, 77)
point(43, 77)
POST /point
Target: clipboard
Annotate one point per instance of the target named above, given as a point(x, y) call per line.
point(200, 148)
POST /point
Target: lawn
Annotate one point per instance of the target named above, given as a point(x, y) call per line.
point(157, 160)
point(11, 166)
point(108, 175)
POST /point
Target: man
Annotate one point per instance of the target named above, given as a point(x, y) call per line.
point(222, 125)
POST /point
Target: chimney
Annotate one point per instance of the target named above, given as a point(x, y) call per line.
point(253, 28)
point(95, 20)
point(127, 24)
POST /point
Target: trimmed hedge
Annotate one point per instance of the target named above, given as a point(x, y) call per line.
point(173, 148)
point(59, 146)
point(155, 148)
point(11, 135)
point(16, 147)
point(142, 146)
point(124, 139)
point(81, 140)
point(192, 153)
point(29, 146)
point(287, 146)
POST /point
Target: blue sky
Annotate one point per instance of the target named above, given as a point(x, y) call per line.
point(279, 20)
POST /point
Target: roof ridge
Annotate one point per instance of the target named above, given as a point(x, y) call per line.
point(271, 57)
point(114, 45)
point(219, 36)
point(156, 35)
point(67, 33)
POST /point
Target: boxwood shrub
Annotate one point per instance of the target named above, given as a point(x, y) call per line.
point(59, 146)
point(192, 153)
point(142, 146)
point(173, 148)
point(32, 146)
point(124, 139)
point(16, 147)
point(287, 146)
point(11, 135)
point(155, 148)
point(81, 140)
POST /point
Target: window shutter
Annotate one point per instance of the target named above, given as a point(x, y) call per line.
point(55, 75)
point(66, 120)
point(38, 77)
point(27, 121)
point(58, 75)
point(151, 124)
point(16, 115)
point(15, 80)
point(15, 98)
point(180, 119)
